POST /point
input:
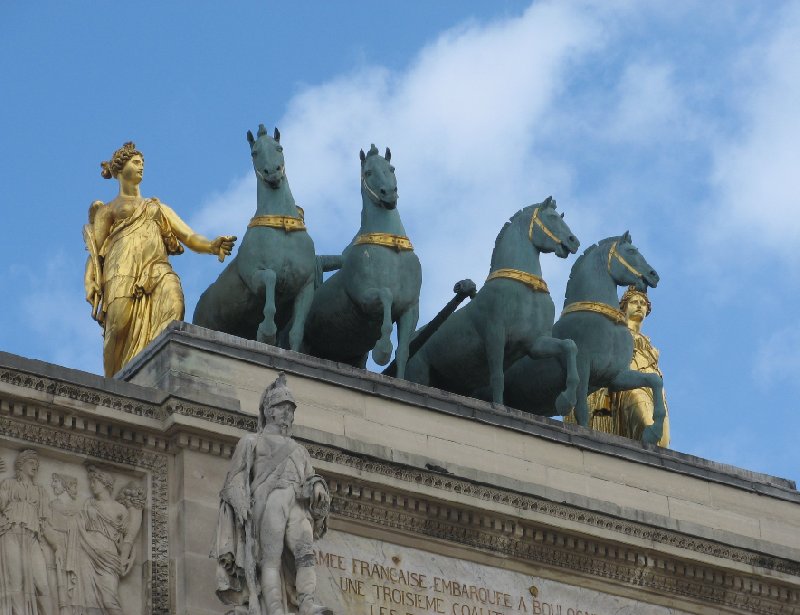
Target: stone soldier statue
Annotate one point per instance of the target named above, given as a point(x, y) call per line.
point(273, 505)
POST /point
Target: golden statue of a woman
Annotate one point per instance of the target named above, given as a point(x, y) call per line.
point(627, 413)
point(129, 281)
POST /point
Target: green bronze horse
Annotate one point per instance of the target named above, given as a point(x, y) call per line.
point(511, 316)
point(269, 286)
point(354, 310)
point(591, 318)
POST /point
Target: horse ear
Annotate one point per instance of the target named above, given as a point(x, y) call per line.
point(363, 156)
point(261, 130)
point(250, 138)
point(388, 154)
point(277, 135)
point(549, 202)
point(626, 237)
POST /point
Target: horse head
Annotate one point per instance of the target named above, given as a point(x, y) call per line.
point(627, 266)
point(267, 153)
point(378, 182)
point(548, 231)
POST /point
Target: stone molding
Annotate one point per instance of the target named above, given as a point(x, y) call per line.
point(621, 565)
point(553, 509)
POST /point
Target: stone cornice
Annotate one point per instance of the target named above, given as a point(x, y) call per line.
point(555, 510)
point(620, 565)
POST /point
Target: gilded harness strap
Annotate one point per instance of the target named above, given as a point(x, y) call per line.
point(287, 223)
point(534, 282)
point(614, 253)
point(398, 242)
point(603, 309)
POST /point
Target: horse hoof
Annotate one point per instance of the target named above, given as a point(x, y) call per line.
point(265, 337)
point(381, 356)
point(563, 405)
point(651, 435)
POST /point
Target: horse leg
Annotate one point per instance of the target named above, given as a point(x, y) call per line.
point(264, 281)
point(406, 325)
point(302, 303)
point(368, 300)
point(582, 392)
point(632, 379)
point(495, 345)
point(566, 351)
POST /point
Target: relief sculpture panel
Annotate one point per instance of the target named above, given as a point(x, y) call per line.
point(70, 536)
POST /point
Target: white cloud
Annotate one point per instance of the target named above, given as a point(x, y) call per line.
point(757, 172)
point(648, 104)
point(462, 122)
point(778, 357)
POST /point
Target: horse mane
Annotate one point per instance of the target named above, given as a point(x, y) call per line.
point(507, 225)
point(589, 252)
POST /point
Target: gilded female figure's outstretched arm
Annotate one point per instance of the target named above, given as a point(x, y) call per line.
point(221, 246)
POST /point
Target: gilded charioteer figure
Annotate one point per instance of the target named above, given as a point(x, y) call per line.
point(627, 413)
point(129, 281)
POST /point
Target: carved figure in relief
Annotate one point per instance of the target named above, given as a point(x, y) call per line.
point(103, 553)
point(273, 505)
point(129, 281)
point(23, 518)
point(62, 536)
point(628, 413)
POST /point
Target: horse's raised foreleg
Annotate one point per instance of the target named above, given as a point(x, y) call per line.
point(372, 300)
point(406, 325)
point(632, 379)
point(495, 345)
point(566, 351)
point(302, 303)
point(263, 283)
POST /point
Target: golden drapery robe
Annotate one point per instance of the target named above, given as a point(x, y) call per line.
point(627, 413)
point(141, 292)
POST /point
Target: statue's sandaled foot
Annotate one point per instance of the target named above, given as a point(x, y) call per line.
point(266, 335)
point(564, 404)
point(382, 352)
point(652, 434)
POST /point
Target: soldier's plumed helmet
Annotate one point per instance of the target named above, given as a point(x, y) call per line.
point(274, 394)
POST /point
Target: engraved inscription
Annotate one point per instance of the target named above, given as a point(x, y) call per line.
point(369, 577)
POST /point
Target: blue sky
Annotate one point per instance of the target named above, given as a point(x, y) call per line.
point(677, 121)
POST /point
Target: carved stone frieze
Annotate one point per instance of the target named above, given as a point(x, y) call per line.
point(89, 559)
point(553, 509)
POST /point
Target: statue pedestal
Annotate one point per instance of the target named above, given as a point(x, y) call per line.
point(441, 504)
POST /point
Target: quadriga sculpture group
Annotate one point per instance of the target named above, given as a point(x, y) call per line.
point(503, 346)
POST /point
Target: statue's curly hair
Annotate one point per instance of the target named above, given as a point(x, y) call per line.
point(626, 296)
point(22, 457)
point(105, 478)
point(112, 168)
